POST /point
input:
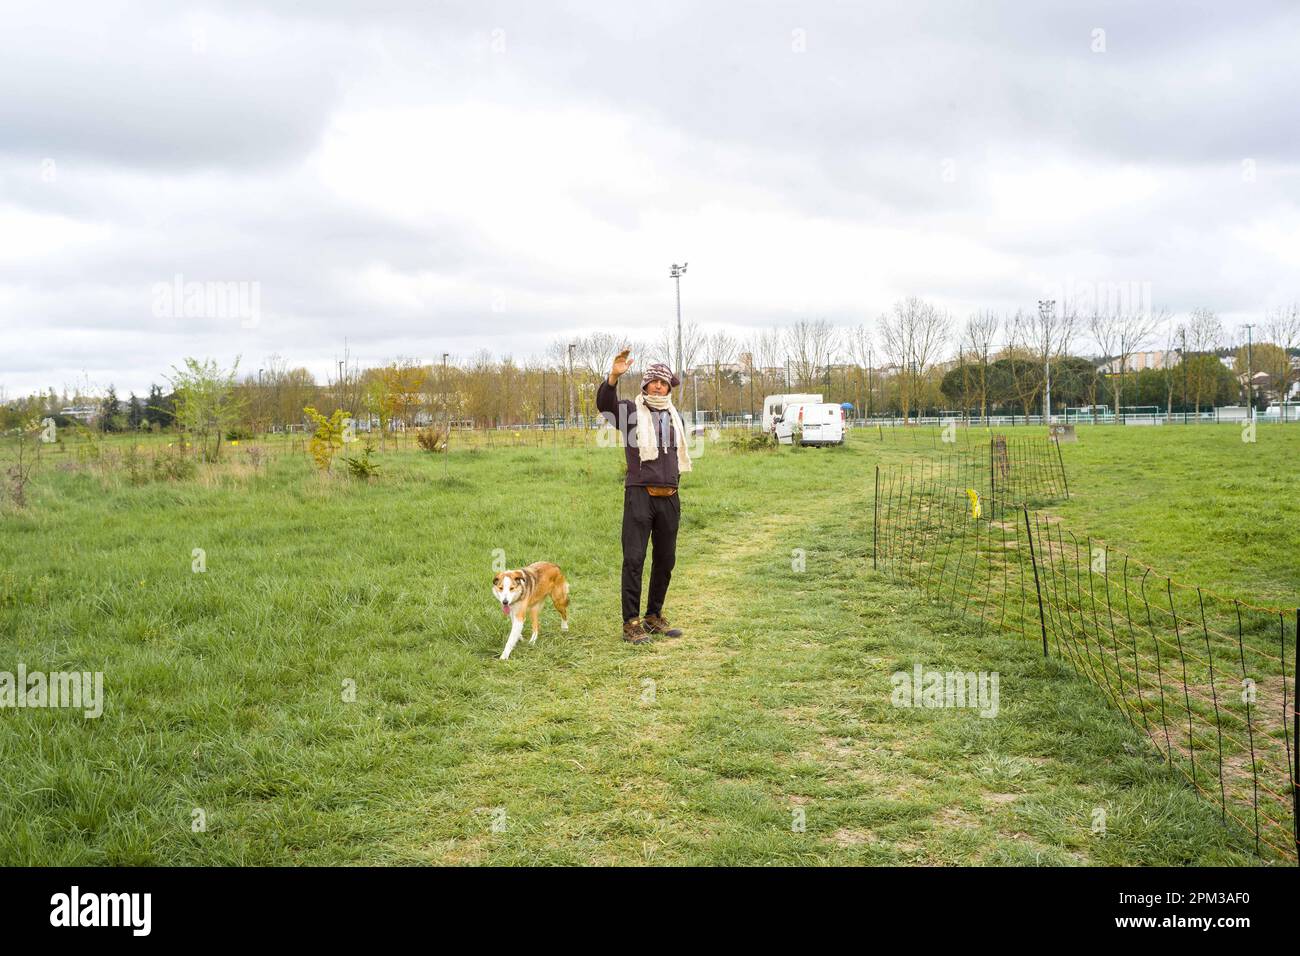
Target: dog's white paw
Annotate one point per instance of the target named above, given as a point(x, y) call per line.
point(564, 625)
point(533, 639)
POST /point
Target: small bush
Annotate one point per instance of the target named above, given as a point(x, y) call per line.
point(136, 472)
point(327, 441)
point(361, 466)
point(174, 465)
point(432, 440)
point(752, 441)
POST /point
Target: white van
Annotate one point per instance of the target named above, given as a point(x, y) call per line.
point(774, 407)
point(820, 423)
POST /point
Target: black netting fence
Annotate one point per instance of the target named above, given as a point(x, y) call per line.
point(1208, 678)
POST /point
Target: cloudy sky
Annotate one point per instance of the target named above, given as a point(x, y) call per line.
point(419, 177)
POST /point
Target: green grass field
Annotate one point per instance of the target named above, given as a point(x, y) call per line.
point(225, 690)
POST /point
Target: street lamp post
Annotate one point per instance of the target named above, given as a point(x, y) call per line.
point(1250, 375)
point(869, 385)
point(446, 452)
point(572, 346)
point(1182, 360)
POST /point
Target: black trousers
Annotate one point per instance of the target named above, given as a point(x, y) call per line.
point(648, 519)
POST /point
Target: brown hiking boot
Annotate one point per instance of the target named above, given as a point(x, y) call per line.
point(655, 624)
point(634, 633)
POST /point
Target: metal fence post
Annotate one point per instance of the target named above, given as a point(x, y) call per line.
point(992, 480)
point(1061, 462)
point(1042, 623)
point(875, 522)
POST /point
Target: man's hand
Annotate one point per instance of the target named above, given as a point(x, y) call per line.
point(621, 364)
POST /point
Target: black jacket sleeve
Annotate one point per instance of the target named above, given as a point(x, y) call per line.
point(607, 402)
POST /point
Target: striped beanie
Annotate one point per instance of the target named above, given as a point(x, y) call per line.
point(659, 371)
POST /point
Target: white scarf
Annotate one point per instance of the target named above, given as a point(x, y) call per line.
point(646, 441)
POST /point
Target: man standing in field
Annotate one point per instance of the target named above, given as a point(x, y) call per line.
point(654, 441)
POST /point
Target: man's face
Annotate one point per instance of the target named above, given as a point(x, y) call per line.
point(656, 386)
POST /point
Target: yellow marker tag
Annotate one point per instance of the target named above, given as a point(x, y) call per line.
point(974, 497)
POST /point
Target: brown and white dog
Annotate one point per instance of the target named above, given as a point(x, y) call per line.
point(524, 591)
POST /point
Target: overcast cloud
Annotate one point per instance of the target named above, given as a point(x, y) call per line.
point(425, 177)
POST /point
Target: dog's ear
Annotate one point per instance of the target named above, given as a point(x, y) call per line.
point(496, 580)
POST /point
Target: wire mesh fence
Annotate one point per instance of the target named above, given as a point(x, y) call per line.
point(1209, 679)
point(1000, 469)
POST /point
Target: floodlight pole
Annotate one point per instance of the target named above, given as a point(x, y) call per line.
point(1045, 309)
point(675, 273)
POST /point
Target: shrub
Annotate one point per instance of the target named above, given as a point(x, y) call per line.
point(20, 472)
point(361, 466)
point(207, 404)
point(136, 472)
point(752, 441)
point(328, 438)
point(432, 440)
point(174, 464)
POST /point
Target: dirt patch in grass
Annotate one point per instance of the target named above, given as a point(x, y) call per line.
point(849, 837)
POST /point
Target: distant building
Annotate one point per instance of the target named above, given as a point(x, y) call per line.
point(1166, 358)
point(86, 414)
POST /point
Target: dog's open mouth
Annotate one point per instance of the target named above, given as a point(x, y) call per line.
point(505, 608)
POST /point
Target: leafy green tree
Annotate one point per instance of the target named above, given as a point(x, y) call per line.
point(327, 440)
point(1270, 359)
point(110, 412)
point(134, 413)
point(1074, 382)
point(207, 403)
point(156, 409)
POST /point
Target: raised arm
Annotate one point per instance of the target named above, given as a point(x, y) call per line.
point(607, 394)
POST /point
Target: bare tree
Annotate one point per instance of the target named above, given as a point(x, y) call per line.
point(1204, 336)
point(861, 347)
point(720, 349)
point(1022, 361)
point(1048, 336)
point(693, 341)
point(1282, 327)
point(914, 333)
point(981, 332)
point(1175, 334)
point(1119, 334)
point(811, 346)
point(770, 354)
point(595, 352)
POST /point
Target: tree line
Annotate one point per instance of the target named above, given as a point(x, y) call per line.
point(916, 360)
